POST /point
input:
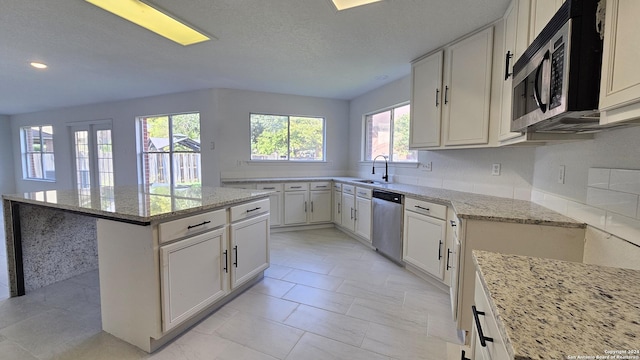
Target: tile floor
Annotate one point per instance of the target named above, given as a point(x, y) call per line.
point(325, 296)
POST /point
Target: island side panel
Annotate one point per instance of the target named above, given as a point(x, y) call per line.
point(14, 247)
point(56, 245)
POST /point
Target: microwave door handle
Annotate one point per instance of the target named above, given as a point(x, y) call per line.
point(536, 85)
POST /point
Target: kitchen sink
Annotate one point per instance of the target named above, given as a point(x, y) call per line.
point(373, 182)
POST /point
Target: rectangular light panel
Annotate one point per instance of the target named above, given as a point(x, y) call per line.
point(152, 19)
point(347, 4)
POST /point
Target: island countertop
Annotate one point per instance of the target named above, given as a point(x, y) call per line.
point(466, 205)
point(552, 309)
point(137, 204)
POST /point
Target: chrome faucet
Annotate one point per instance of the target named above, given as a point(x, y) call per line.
point(385, 177)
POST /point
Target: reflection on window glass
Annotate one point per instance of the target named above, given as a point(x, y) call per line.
point(38, 160)
point(279, 137)
point(387, 133)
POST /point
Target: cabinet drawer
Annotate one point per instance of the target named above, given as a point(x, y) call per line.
point(249, 210)
point(325, 185)
point(363, 193)
point(494, 350)
point(337, 186)
point(296, 186)
point(176, 229)
point(274, 187)
point(348, 189)
point(425, 207)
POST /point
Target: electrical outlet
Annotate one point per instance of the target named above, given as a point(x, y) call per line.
point(561, 174)
point(427, 166)
point(495, 169)
point(212, 146)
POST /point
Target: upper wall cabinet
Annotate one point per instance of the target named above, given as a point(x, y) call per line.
point(459, 105)
point(541, 12)
point(620, 84)
point(426, 106)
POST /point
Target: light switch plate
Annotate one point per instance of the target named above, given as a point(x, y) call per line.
point(495, 169)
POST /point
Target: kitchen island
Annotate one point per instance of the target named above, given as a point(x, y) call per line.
point(551, 309)
point(166, 258)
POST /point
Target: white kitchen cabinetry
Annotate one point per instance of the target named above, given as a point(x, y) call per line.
point(276, 202)
point(426, 102)
point(424, 236)
point(249, 250)
point(296, 202)
point(620, 82)
point(193, 275)
point(553, 242)
point(452, 262)
point(486, 340)
point(320, 202)
point(337, 203)
point(467, 90)
point(348, 207)
point(362, 214)
point(541, 12)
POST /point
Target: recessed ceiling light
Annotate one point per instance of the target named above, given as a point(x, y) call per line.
point(38, 65)
point(347, 4)
point(152, 19)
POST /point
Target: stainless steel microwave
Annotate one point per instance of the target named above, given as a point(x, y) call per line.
point(556, 82)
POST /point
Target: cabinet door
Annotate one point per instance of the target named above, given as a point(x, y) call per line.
point(348, 209)
point(249, 253)
point(337, 207)
point(193, 275)
point(424, 246)
point(320, 206)
point(620, 83)
point(275, 202)
point(363, 217)
point(295, 207)
point(541, 12)
point(468, 90)
point(511, 28)
point(426, 102)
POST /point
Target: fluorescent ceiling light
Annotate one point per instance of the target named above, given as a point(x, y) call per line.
point(347, 4)
point(152, 19)
point(38, 65)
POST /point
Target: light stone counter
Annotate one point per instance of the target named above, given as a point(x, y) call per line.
point(466, 205)
point(551, 309)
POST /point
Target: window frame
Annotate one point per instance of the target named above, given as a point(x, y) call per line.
point(390, 159)
point(289, 160)
point(26, 152)
point(141, 152)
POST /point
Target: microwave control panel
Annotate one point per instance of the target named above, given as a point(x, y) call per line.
point(557, 75)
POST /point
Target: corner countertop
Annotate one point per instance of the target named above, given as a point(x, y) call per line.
point(137, 204)
point(552, 309)
point(466, 205)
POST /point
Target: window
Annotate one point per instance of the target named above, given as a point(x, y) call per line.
point(37, 152)
point(281, 137)
point(387, 133)
point(170, 153)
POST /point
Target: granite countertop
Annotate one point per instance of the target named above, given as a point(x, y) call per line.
point(139, 205)
point(552, 309)
point(466, 205)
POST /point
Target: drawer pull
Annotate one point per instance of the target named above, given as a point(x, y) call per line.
point(269, 188)
point(462, 357)
point(226, 264)
point(321, 186)
point(422, 208)
point(254, 209)
point(448, 256)
point(439, 249)
point(296, 187)
point(235, 249)
point(195, 226)
point(483, 339)
point(453, 223)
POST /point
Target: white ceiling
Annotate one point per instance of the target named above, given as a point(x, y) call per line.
point(301, 47)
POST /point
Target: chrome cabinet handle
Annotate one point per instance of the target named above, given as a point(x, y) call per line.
point(439, 249)
point(195, 226)
point(483, 339)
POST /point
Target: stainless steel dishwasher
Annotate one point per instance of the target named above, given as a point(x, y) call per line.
point(387, 224)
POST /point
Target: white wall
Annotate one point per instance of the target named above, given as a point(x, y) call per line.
point(235, 146)
point(464, 170)
point(123, 115)
point(7, 181)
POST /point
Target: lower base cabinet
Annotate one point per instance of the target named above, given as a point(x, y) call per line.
point(193, 275)
point(486, 341)
point(424, 238)
point(249, 253)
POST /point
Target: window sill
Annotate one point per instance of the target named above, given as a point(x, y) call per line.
point(398, 164)
point(39, 180)
point(283, 162)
